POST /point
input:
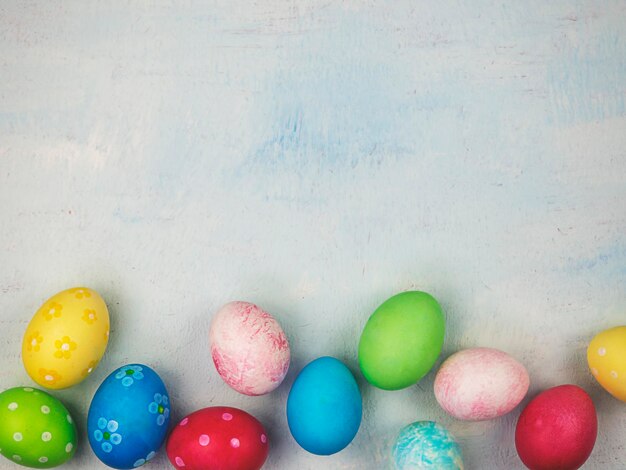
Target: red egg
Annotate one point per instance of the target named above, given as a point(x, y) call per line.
point(557, 430)
point(218, 438)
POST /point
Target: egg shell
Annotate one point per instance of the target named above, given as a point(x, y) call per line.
point(128, 417)
point(557, 430)
point(66, 338)
point(249, 348)
point(218, 438)
point(324, 407)
point(480, 383)
point(36, 429)
point(606, 356)
point(426, 445)
point(401, 340)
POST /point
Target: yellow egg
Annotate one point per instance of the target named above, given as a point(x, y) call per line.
point(66, 338)
point(606, 356)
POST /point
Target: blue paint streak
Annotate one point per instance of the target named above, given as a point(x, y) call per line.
point(611, 260)
point(587, 81)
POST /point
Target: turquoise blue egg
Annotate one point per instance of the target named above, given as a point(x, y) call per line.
point(425, 445)
point(324, 407)
point(128, 417)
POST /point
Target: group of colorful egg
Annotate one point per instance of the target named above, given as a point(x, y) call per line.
point(129, 413)
point(63, 344)
point(557, 428)
point(400, 344)
point(251, 353)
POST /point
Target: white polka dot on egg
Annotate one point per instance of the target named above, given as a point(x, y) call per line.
point(263, 438)
point(234, 442)
point(184, 422)
point(46, 436)
point(204, 440)
point(12, 406)
point(43, 459)
point(17, 458)
point(69, 447)
point(180, 462)
point(602, 352)
point(227, 416)
point(17, 437)
point(45, 410)
point(614, 374)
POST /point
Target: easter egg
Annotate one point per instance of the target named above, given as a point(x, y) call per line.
point(557, 429)
point(324, 407)
point(606, 356)
point(426, 445)
point(249, 348)
point(128, 417)
point(36, 430)
point(401, 340)
point(480, 383)
point(66, 338)
point(218, 438)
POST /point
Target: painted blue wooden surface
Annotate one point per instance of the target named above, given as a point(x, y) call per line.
point(316, 157)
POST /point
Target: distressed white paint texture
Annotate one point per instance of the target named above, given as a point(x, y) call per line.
point(316, 157)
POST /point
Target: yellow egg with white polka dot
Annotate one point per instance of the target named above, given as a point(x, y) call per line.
point(606, 356)
point(66, 338)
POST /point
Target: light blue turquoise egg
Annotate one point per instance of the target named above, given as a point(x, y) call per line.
point(324, 407)
point(426, 445)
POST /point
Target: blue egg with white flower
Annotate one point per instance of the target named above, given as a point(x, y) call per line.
point(128, 417)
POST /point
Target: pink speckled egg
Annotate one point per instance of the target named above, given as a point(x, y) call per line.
point(249, 348)
point(480, 383)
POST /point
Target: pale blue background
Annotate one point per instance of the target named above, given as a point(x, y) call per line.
point(316, 157)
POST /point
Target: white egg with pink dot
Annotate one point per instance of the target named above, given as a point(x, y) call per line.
point(249, 348)
point(480, 383)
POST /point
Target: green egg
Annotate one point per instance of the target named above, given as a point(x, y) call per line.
point(36, 430)
point(401, 340)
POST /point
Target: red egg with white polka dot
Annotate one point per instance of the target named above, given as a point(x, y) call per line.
point(218, 438)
